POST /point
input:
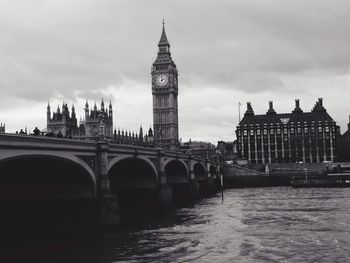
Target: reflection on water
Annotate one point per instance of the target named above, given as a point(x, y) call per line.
point(252, 225)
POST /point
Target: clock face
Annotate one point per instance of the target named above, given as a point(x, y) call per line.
point(162, 80)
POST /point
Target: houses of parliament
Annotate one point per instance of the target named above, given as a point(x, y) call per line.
point(98, 122)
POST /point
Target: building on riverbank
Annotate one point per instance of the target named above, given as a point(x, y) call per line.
point(205, 150)
point(308, 137)
point(96, 121)
point(344, 145)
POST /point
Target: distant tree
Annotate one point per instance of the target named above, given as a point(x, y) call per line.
point(36, 131)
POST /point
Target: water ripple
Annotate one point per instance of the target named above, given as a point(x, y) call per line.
point(251, 225)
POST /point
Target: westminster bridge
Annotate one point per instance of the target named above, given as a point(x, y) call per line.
point(114, 175)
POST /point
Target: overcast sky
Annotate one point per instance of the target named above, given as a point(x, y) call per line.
point(226, 51)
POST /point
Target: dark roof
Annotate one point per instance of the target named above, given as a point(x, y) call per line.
point(163, 39)
point(308, 117)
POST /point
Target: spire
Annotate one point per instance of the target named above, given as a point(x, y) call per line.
point(86, 105)
point(163, 39)
point(102, 105)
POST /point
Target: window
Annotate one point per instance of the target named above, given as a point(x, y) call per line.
point(285, 131)
point(258, 132)
point(319, 129)
point(272, 132)
point(306, 130)
point(299, 130)
point(245, 132)
point(284, 120)
point(252, 132)
point(278, 131)
point(265, 132)
point(327, 129)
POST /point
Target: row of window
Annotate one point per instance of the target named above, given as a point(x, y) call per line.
point(285, 131)
point(162, 67)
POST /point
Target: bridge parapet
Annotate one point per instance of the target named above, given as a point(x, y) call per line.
point(42, 139)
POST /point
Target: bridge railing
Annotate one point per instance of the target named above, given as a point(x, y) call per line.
point(6, 137)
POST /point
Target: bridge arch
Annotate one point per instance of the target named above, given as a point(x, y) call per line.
point(199, 171)
point(45, 176)
point(135, 182)
point(131, 172)
point(176, 171)
point(117, 159)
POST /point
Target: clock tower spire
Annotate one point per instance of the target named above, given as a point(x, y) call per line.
point(165, 90)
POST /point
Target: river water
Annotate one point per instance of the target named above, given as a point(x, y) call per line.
point(277, 224)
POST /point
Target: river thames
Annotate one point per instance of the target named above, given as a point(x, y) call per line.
point(277, 224)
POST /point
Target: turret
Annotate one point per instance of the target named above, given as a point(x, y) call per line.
point(48, 113)
point(102, 106)
point(86, 109)
point(110, 110)
point(73, 112)
point(141, 134)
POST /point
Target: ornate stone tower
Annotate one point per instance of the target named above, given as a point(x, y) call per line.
point(165, 91)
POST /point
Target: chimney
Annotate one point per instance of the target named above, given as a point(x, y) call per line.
point(297, 108)
point(249, 111)
point(320, 102)
point(271, 110)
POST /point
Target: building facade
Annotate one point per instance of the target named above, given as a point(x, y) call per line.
point(62, 123)
point(2, 127)
point(165, 92)
point(309, 137)
point(97, 123)
point(204, 150)
point(344, 145)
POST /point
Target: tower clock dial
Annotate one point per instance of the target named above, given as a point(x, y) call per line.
point(162, 80)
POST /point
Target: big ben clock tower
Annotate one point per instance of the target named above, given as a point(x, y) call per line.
point(165, 91)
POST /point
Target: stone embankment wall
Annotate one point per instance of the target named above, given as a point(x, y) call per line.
point(270, 174)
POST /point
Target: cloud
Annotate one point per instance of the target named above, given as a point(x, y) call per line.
point(240, 50)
